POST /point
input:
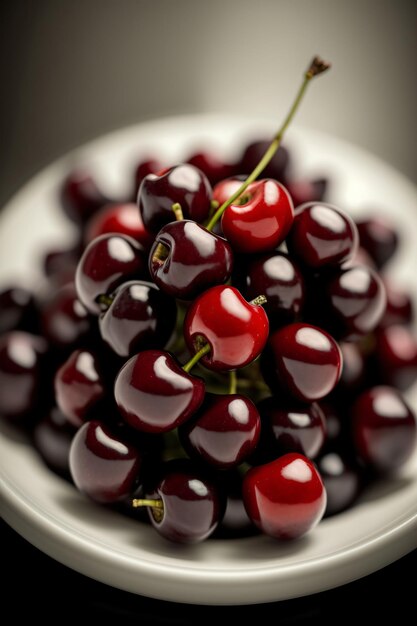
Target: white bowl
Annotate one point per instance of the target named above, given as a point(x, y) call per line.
point(129, 555)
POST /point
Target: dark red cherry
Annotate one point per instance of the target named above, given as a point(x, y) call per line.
point(65, 321)
point(22, 357)
point(353, 370)
point(79, 386)
point(396, 356)
point(342, 481)
point(253, 153)
point(322, 235)
point(235, 521)
point(236, 330)
point(224, 431)
point(379, 237)
point(277, 277)
point(60, 264)
point(384, 428)
point(140, 316)
point(356, 300)
point(143, 168)
point(186, 259)
point(214, 168)
point(18, 310)
point(304, 361)
point(290, 426)
point(286, 497)
point(103, 464)
point(187, 505)
point(399, 308)
point(81, 196)
point(121, 218)
point(259, 220)
point(52, 437)
point(307, 190)
point(108, 261)
point(154, 394)
point(183, 184)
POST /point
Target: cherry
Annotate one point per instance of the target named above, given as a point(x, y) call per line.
point(305, 190)
point(290, 426)
point(353, 370)
point(106, 262)
point(52, 437)
point(254, 151)
point(104, 465)
point(79, 386)
point(18, 310)
point(154, 394)
point(342, 481)
point(214, 168)
point(60, 264)
point(224, 431)
point(399, 308)
point(396, 356)
point(81, 196)
point(286, 497)
point(277, 277)
point(260, 218)
point(183, 184)
point(22, 356)
point(226, 188)
point(186, 259)
point(235, 522)
point(322, 235)
point(235, 330)
point(118, 218)
point(139, 316)
point(65, 321)
point(303, 360)
point(143, 168)
point(379, 238)
point(384, 428)
point(184, 506)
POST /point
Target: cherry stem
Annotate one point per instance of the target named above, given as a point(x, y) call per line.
point(232, 382)
point(259, 300)
point(105, 300)
point(177, 208)
point(317, 66)
point(197, 356)
point(155, 504)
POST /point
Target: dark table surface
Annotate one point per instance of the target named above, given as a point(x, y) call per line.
point(32, 580)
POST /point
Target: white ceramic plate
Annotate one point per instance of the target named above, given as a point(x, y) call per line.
point(123, 553)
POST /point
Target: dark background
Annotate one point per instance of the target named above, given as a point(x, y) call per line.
point(72, 70)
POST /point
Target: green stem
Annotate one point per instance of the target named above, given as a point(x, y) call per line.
point(317, 67)
point(177, 208)
point(197, 356)
point(232, 382)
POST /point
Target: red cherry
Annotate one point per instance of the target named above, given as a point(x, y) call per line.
point(285, 498)
point(118, 218)
point(399, 308)
point(209, 163)
point(260, 218)
point(396, 356)
point(305, 361)
point(236, 330)
point(226, 188)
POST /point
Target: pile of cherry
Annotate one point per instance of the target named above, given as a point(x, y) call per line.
point(210, 373)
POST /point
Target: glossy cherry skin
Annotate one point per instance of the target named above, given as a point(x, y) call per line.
point(140, 316)
point(235, 329)
point(107, 261)
point(183, 184)
point(214, 168)
point(399, 308)
point(192, 507)
point(52, 437)
point(154, 394)
point(396, 356)
point(60, 264)
point(322, 235)
point(290, 426)
point(304, 361)
point(384, 428)
point(259, 220)
point(379, 237)
point(22, 356)
point(356, 300)
point(342, 481)
point(79, 386)
point(103, 464)
point(224, 431)
point(65, 321)
point(353, 370)
point(286, 497)
point(193, 259)
point(143, 168)
point(18, 310)
point(306, 190)
point(226, 188)
point(235, 521)
point(277, 277)
point(81, 196)
point(118, 218)
point(276, 168)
